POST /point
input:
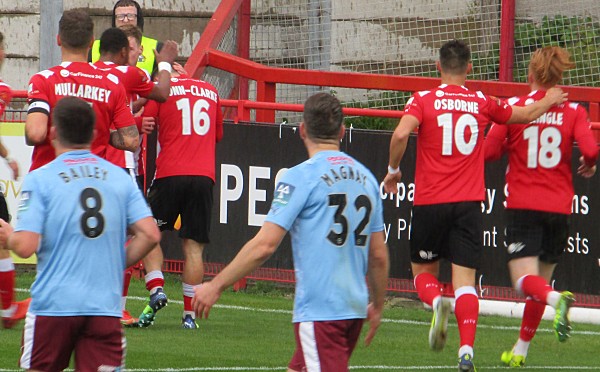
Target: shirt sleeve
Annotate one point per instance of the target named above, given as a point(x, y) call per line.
point(584, 136)
point(499, 111)
point(137, 208)
point(414, 107)
point(139, 81)
point(32, 208)
point(377, 216)
point(495, 142)
point(288, 201)
point(37, 95)
point(122, 116)
point(5, 97)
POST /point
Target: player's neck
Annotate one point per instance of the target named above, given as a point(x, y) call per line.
point(538, 86)
point(71, 56)
point(315, 148)
point(452, 79)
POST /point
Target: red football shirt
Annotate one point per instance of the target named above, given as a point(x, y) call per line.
point(85, 81)
point(190, 123)
point(5, 96)
point(539, 176)
point(450, 161)
point(136, 82)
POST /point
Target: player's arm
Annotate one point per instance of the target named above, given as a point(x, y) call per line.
point(495, 142)
point(125, 138)
point(252, 255)
point(167, 55)
point(586, 143)
point(377, 276)
point(36, 127)
point(525, 114)
point(145, 237)
point(23, 243)
point(398, 144)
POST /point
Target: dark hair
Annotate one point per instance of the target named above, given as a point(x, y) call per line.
point(76, 29)
point(133, 31)
point(113, 40)
point(124, 3)
point(323, 116)
point(455, 56)
point(74, 120)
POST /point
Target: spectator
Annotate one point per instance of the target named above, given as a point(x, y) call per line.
point(75, 213)
point(449, 188)
point(540, 196)
point(126, 12)
point(75, 77)
point(190, 123)
point(11, 311)
point(331, 205)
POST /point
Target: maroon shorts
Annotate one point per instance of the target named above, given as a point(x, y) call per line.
point(49, 341)
point(325, 346)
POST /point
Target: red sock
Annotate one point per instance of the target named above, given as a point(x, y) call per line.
point(535, 287)
point(532, 315)
point(187, 303)
point(466, 310)
point(7, 288)
point(428, 287)
point(156, 282)
point(126, 280)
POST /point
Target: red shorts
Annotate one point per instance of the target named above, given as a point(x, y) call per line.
point(325, 346)
point(49, 341)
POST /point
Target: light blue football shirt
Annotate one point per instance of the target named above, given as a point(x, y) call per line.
point(81, 205)
point(330, 204)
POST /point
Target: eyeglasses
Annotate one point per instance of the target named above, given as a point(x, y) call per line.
point(129, 16)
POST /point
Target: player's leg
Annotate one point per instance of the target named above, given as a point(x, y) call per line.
point(48, 342)
point(12, 311)
point(164, 201)
point(101, 344)
point(465, 251)
point(426, 249)
point(195, 230)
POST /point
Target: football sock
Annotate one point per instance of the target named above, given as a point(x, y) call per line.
point(532, 315)
point(521, 347)
point(128, 273)
point(537, 288)
point(188, 294)
point(428, 287)
point(465, 349)
point(154, 281)
point(7, 282)
point(466, 309)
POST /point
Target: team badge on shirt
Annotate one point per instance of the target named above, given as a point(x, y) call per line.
point(282, 196)
point(24, 202)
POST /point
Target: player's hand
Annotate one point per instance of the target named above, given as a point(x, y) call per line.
point(584, 170)
point(179, 69)
point(205, 296)
point(5, 230)
point(14, 166)
point(148, 124)
point(374, 318)
point(390, 182)
point(168, 53)
point(556, 96)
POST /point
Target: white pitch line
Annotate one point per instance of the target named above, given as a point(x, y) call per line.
point(385, 320)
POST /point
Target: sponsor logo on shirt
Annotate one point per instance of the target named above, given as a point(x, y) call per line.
point(515, 247)
point(283, 194)
point(427, 255)
point(25, 199)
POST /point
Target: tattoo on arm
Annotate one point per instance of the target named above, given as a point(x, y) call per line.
point(126, 138)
